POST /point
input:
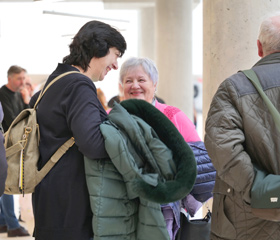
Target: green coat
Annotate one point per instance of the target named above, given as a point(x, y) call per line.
point(126, 191)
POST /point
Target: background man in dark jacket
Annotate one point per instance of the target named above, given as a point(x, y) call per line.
point(240, 131)
point(14, 98)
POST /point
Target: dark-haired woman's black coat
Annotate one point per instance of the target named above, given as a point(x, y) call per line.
point(61, 201)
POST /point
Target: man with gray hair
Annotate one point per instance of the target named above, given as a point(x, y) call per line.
point(13, 95)
point(240, 131)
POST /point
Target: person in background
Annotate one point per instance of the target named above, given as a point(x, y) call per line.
point(102, 98)
point(13, 95)
point(70, 108)
point(14, 98)
point(118, 98)
point(29, 86)
point(240, 131)
point(3, 162)
point(139, 79)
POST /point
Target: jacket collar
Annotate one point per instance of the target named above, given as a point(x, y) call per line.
point(269, 59)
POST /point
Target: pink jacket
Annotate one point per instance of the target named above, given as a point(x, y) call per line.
point(180, 120)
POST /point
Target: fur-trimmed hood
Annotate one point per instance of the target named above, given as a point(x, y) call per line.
point(162, 165)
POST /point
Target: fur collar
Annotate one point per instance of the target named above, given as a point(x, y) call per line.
point(182, 184)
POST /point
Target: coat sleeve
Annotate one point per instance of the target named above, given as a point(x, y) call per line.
point(224, 140)
point(7, 110)
point(3, 162)
point(3, 165)
point(84, 116)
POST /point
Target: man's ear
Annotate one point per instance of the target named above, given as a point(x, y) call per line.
point(260, 48)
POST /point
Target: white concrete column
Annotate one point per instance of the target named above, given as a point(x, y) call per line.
point(230, 32)
point(147, 33)
point(174, 53)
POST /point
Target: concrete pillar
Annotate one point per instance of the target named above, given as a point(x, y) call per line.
point(230, 32)
point(147, 33)
point(174, 53)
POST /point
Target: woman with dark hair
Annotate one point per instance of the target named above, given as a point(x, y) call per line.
point(70, 108)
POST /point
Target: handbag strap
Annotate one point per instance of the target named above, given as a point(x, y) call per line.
point(252, 76)
point(51, 83)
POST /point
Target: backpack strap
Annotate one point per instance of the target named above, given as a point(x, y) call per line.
point(54, 159)
point(51, 83)
point(60, 151)
point(252, 76)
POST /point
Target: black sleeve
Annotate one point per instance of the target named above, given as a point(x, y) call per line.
point(84, 116)
point(8, 112)
point(3, 162)
point(3, 165)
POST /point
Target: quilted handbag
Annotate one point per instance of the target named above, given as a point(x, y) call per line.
point(265, 191)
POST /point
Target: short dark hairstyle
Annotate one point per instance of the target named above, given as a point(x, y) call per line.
point(14, 69)
point(94, 40)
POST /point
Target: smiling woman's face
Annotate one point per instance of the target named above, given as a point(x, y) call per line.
point(99, 67)
point(137, 84)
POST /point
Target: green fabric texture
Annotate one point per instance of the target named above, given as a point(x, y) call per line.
point(115, 215)
point(148, 159)
point(181, 185)
point(265, 190)
point(127, 189)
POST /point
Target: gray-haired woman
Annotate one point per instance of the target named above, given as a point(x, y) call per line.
point(139, 79)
